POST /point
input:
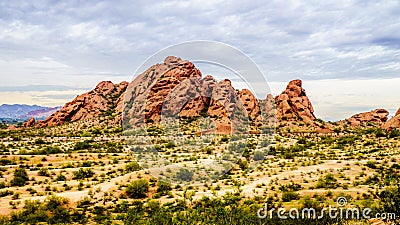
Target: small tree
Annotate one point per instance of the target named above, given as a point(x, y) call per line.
point(137, 189)
point(20, 177)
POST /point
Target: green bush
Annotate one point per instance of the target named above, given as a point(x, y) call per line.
point(137, 189)
point(61, 177)
point(132, 166)
point(288, 196)
point(20, 177)
point(163, 187)
point(83, 173)
point(394, 133)
point(54, 210)
point(82, 145)
point(329, 181)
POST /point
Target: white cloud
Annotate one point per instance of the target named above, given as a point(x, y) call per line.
point(75, 42)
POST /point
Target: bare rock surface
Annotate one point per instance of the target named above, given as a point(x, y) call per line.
point(293, 104)
point(105, 100)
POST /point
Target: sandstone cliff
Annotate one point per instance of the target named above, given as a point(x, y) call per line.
point(105, 100)
point(176, 88)
point(394, 122)
point(293, 104)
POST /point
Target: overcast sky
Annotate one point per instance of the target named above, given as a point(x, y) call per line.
point(338, 48)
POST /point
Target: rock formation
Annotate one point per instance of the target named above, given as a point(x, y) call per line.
point(377, 117)
point(250, 103)
point(147, 94)
point(105, 100)
point(393, 122)
point(30, 122)
point(176, 88)
point(293, 104)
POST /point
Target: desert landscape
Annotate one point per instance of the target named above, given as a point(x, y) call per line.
point(86, 163)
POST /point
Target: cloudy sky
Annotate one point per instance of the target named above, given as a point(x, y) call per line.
point(346, 52)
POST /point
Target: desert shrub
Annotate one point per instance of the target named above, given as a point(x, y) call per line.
point(20, 177)
point(61, 177)
point(184, 174)
point(290, 187)
point(137, 189)
point(328, 181)
point(371, 164)
point(39, 141)
point(83, 173)
point(6, 193)
point(311, 204)
point(394, 133)
point(44, 151)
point(288, 196)
point(380, 132)
point(224, 138)
point(163, 187)
point(54, 210)
point(86, 164)
point(258, 156)
point(4, 162)
point(170, 144)
point(390, 200)
point(44, 172)
point(101, 215)
point(82, 145)
point(132, 166)
point(243, 164)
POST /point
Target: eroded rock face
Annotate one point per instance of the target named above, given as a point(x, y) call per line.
point(377, 116)
point(393, 122)
point(30, 122)
point(293, 104)
point(250, 103)
point(176, 88)
point(147, 94)
point(105, 100)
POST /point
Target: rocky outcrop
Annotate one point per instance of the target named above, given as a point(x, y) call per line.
point(250, 103)
point(149, 94)
point(176, 88)
point(393, 122)
point(377, 117)
point(293, 104)
point(30, 122)
point(106, 100)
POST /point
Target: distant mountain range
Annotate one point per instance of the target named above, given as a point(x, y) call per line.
point(24, 112)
